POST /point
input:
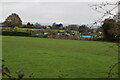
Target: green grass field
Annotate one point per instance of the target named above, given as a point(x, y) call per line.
point(51, 58)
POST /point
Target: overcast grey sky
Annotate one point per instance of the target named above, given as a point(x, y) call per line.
point(49, 12)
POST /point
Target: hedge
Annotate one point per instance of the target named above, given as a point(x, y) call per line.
point(8, 33)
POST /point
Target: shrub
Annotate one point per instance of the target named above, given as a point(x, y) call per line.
point(8, 33)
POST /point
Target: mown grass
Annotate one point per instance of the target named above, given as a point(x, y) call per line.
point(51, 58)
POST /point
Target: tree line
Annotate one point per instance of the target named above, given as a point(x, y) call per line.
point(110, 27)
point(111, 30)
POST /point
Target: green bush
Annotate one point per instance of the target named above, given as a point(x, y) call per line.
point(8, 33)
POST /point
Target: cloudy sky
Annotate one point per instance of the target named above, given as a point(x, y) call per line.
point(76, 12)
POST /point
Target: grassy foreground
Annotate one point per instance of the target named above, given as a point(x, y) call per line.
point(51, 58)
